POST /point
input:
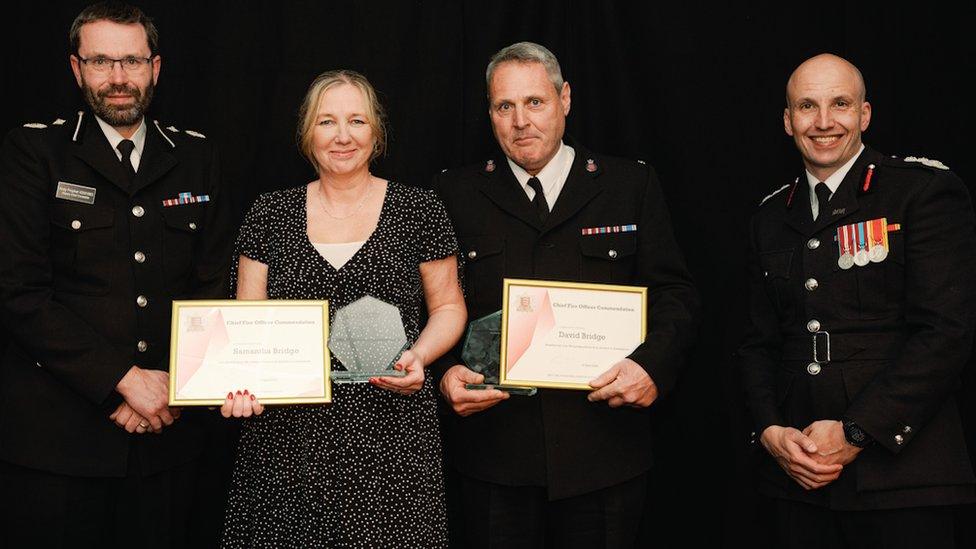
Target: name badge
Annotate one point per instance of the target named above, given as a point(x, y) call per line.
point(75, 193)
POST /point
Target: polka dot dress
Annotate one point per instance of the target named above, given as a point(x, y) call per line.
point(366, 470)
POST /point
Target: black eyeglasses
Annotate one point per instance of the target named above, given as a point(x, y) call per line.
point(130, 64)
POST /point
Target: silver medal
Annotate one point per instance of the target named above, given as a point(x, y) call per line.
point(861, 258)
point(846, 261)
point(878, 253)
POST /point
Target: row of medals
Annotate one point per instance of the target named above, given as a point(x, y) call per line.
point(876, 254)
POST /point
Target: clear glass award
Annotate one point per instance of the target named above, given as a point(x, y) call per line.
point(481, 353)
point(367, 336)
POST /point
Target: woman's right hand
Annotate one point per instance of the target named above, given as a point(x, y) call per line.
point(241, 405)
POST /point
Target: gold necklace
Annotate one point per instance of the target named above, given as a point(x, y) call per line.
point(355, 210)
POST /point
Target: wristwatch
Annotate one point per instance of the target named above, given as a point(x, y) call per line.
point(855, 435)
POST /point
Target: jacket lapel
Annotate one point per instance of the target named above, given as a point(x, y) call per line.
point(157, 158)
point(93, 148)
point(842, 204)
point(501, 187)
point(845, 200)
point(580, 188)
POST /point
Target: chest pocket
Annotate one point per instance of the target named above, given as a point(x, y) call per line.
point(83, 245)
point(183, 224)
point(776, 266)
point(873, 291)
point(484, 268)
point(607, 257)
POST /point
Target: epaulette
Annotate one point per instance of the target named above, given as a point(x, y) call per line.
point(928, 162)
point(41, 125)
point(774, 193)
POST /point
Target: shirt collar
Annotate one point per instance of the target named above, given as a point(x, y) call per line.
point(835, 178)
point(550, 175)
point(114, 137)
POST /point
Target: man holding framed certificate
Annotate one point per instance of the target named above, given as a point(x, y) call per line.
point(548, 215)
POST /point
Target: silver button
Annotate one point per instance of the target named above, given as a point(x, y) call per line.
point(138, 211)
point(142, 301)
point(899, 440)
point(76, 224)
point(811, 284)
point(472, 254)
point(192, 226)
point(907, 430)
point(813, 243)
point(813, 326)
point(142, 346)
point(38, 364)
point(813, 368)
point(139, 257)
point(612, 254)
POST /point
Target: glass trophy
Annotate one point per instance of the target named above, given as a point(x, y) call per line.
point(367, 337)
point(481, 353)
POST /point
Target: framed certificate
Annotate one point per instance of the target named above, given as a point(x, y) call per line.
point(563, 334)
point(275, 348)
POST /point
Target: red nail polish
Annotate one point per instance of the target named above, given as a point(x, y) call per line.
point(252, 397)
point(238, 391)
point(230, 395)
point(245, 392)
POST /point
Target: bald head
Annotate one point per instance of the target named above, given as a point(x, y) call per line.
point(826, 112)
point(825, 67)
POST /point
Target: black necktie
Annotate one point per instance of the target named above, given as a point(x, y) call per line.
point(126, 146)
point(823, 196)
point(541, 206)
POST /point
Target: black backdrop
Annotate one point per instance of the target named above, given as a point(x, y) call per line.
point(696, 91)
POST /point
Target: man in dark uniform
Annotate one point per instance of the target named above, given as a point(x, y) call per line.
point(106, 218)
point(861, 320)
point(562, 466)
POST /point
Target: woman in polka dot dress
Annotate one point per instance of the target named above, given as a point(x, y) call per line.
point(364, 471)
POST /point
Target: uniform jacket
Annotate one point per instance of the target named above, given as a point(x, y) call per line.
point(557, 438)
point(900, 331)
point(71, 277)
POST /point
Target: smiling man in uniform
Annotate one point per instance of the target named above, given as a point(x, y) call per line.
point(861, 321)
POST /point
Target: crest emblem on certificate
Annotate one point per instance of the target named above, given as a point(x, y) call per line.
point(524, 304)
point(197, 324)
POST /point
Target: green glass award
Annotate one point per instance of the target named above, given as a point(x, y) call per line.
point(481, 353)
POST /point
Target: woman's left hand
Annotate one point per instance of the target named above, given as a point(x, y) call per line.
point(409, 384)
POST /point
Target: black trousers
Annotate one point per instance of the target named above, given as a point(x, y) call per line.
point(498, 516)
point(800, 525)
point(41, 509)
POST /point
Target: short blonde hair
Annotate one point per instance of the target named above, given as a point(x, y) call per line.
point(309, 111)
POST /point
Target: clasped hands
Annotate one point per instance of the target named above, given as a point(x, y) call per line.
point(145, 407)
point(813, 457)
point(624, 384)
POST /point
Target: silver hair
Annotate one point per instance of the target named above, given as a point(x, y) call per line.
point(526, 52)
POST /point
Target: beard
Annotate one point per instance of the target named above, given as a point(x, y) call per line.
point(119, 115)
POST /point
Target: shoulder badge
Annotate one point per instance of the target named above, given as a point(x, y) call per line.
point(774, 193)
point(194, 134)
point(926, 162)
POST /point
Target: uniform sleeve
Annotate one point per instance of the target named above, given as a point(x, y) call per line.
point(673, 303)
point(759, 353)
point(940, 303)
point(254, 235)
point(437, 239)
point(53, 336)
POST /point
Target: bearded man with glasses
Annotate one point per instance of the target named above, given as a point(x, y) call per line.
point(107, 216)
